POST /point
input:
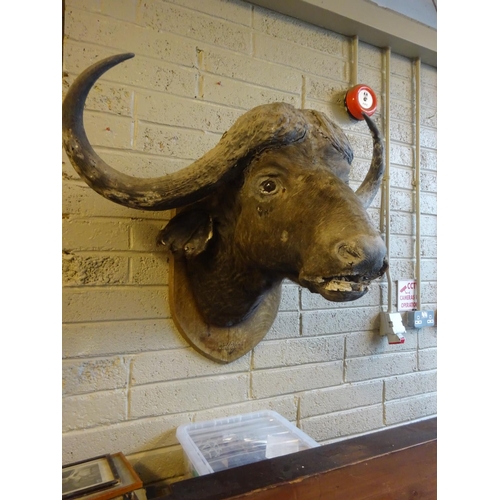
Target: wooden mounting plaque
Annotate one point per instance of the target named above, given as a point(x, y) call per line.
point(219, 344)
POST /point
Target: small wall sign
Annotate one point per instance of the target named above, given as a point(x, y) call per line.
point(407, 295)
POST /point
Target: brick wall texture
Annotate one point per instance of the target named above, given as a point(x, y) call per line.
point(129, 378)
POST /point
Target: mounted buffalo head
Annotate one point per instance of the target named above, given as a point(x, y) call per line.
point(270, 201)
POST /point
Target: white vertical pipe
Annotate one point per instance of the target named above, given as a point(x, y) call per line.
point(387, 176)
point(417, 180)
point(354, 60)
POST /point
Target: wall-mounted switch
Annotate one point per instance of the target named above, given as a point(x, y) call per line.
point(419, 319)
point(414, 319)
point(428, 318)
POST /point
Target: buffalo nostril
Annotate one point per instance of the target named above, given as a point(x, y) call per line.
point(385, 266)
point(364, 251)
point(349, 253)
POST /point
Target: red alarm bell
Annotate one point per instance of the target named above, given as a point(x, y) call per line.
point(359, 99)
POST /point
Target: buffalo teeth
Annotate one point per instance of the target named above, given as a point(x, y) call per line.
point(338, 286)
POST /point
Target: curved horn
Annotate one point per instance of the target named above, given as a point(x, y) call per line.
point(369, 187)
point(258, 129)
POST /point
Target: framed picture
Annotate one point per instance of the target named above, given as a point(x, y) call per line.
point(87, 476)
point(106, 483)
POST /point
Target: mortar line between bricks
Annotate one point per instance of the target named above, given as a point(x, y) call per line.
point(105, 321)
point(118, 253)
point(233, 375)
point(340, 56)
point(298, 416)
point(114, 288)
point(303, 92)
point(251, 367)
point(109, 16)
point(138, 14)
point(208, 376)
point(135, 120)
point(116, 219)
point(352, 409)
point(247, 84)
point(94, 391)
point(129, 270)
point(181, 127)
point(297, 69)
point(384, 416)
point(129, 386)
point(130, 353)
point(344, 362)
point(88, 322)
point(252, 32)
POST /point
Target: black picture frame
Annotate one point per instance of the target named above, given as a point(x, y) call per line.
point(87, 476)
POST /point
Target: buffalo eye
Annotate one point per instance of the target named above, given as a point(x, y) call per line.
point(268, 186)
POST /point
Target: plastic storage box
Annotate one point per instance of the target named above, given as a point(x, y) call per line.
point(229, 442)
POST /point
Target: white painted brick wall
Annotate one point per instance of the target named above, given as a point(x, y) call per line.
point(176, 364)
point(351, 422)
point(412, 384)
point(96, 338)
point(377, 366)
point(346, 396)
point(407, 409)
point(286, 380)
point(277, 353)
point(94, 409)
point(129, 377)
point(188, 395)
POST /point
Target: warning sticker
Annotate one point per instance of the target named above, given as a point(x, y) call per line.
point(407, 295)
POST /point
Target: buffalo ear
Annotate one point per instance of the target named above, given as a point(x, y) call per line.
point(187, 233)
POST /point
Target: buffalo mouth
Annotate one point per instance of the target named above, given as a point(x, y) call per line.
point(344, 287)
point(339, 288)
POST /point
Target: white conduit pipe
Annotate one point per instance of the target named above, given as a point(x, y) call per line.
point(387, 177)
point(417, 180)
point(354, 60)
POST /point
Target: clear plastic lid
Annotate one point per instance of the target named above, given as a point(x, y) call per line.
point(243, 439)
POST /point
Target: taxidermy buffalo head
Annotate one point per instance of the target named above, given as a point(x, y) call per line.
point(270, 201)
